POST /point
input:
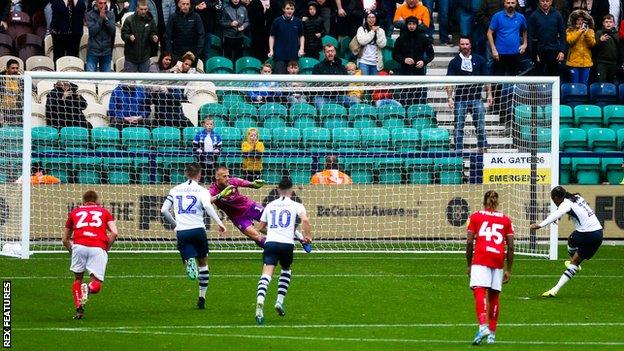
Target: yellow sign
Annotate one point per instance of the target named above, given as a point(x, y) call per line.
point(506, 168)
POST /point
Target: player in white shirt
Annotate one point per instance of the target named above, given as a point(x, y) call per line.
point(279, 219)
point(189, 201)
point(583, 242)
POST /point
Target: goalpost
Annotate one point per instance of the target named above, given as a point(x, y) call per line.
point(413, 188)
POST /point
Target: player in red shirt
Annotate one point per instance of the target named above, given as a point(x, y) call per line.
point(492, 230)
point(86, 239)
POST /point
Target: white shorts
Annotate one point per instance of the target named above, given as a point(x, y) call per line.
point(486, 277)
point(92, 258)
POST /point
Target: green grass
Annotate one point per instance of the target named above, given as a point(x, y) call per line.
point(335, 301)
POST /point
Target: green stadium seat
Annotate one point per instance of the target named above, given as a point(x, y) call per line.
point(612, 169)
point(364, 122)
point(245, 122)
point(346, 137)
point(406, 139)
point(393, 123)
point(213, 110)
point(362, 110)
point(601, 139)
point(613, 116)
point(108, 138)
point(390, 171)
point(136, 138)
point(306, 65)
point(219, 64)
point(272, 110)
point(391, 111)
point(390, 43)
point(328, 39)
point(299, 169)
point(74, 137)
point(304, 122)
point(316, 138)
point(44, 137)
point(286, 137)
point(421, 110)
point(566, 117)
point(391, 65)
point(166, 137)
point(273, 169)
point(620, 139)
point(215, 45)
point(422, 123)
point(360, 169)
point(523, 114)
point(375, 138)
point(12, 138)
point(248, 65)
point(188, 134)
point(335, 122)
point(572, 139)
point(420, 170)
point(449, 170)
point(237, 111)
point(332, 110)
point(119, 169)
point(587, 169)
point(88, 169)
point(274, 122)
point(230, 100)
point(343, 50)
point(300, 110)
point(173, 167)
point(265, 136)
point(565, 170)
point(544, 137)
point(230, 136)
point(433, 139)
point(588, 116)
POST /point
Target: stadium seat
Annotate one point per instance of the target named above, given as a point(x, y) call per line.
point(6, 58)
point(375, 139)
point(332, 110)
point(421, 110)
point(69, 64)
point(58, 167)
point(248, 65)
point(449, 170)
point(621, 93)
point(422, 123)
point(245, 122)
point(393, 123)
point(219, 64)
point(343, 50)
point(28, 45)
point(299, 168)
point(300, 110)
point(390, 171)
point(405, 139)
point(136, 138)
point(74, 137)
point(265, 136)
point(18, 24)
point(188, 134)
point(12, 137)
point(44, 138)
point(601, 139)
point(237, 111)
point(304, 122)
point(105, 138)
point(306, 65)
point(363, 122)
point(328, 39)
point(273, 169)
point(118, 169)
point(346, 137)
point(613, 117)
point(391, 65)
point(214, 110)
point(230, 99)
point(316, 138)
point(390, 111)
point(335, 122)
point(620, 139)
point(360, 169)
point(573, 94)
point(215, 46)
point(566, 116)
point(420, 170)
point(434, 139)
point(286, 137)
point(274, 122)
point(603, 94)
point(171, 168)
point(362, 110)
point(88, 169)
point(572, 139)
point(565, 170)
point(524, 114)
point(230, 136)
point(88, 91)
point(587, 169)
point(544, 137)
point(6, 46)
point(166, 137)
point(588, 116)
point(39, 63)
point(613, 170)
point(272, 110)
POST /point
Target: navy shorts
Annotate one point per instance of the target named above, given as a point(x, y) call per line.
point(192, 243)
point(585, 243)
point(275, 252)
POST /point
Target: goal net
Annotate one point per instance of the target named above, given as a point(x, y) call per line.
point(410, 174)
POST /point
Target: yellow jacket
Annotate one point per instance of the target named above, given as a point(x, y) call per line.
point(580, 44)
point(253, 162)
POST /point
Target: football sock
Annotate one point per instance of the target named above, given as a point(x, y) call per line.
point(203, 277)
point(494, 308)
point(95, 286)
point(263, 285)
point(282, 287)
point(77, 292)
point(480, 304)
point(565, 277)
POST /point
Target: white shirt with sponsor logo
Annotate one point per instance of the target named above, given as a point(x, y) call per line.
point(583, 216)
point(280, 216)
point(190, 200)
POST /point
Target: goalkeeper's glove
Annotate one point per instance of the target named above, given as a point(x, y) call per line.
point(258, 183)
point(225, 192)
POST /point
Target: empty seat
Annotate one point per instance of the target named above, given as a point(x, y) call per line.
point(435, 139)
point(332, 110)
point(565, 170)
point(272, 110)
point(390, 111)
point(306, 65)
point(620, 139)
point(74, 137)
point(48, 46)
point(274, 122)
point(237, 111)
point(69, 64)
point(39, 63)
point(572, 139)
point(119, 169)
point(248, 65)
point(245, 122)
point(363, 122)
point(420, 111)
point(613, 170)
point(449, 170)
point(230, 136)
point(286, 137)
point(38, 115)
point(6, 45)
point(136, 138)
point(393, 123)
point(360, 169)
point(587, 169)
point(335, 122)
point(601, 139)
point(213, 110)
point(166, 137)
point(105, 138)
point(44, 138)
point(299, 110)
point(406, 139)
point(228, 100)
point(96, 115)
point(613, 116)
point(603, 94)
point(573, 94)
point(588, 116)
point(219, 64)
point(316, 138)
point(390, 171)
point(18, 24)
point(87, 91)
point(304, 122)
point(28, 45)
point(88, 169)
point(419, 170)
point(375, 138)
point(566, 117)
point(358, 111)
point(346, 137)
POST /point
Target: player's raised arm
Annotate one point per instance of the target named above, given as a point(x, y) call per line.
point(563, 208)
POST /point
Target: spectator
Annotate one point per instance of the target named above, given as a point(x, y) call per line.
point(210, 12)
point(5, 9)
point(295, 96)
point(580, 38)
point(39, 177)
point(67, 26)
point(185, 65)
point(547, 39)
point(234, 21)
point(607, 51)
point(354, 95)
point(372, 38)
point(331, 174)
point(262, 13)
point(64, 106)
point(442, 8)
point(185, 31)
point(383, 97)
point(110, 6)
point(167, 103)
point(129, 107)
point(331, 65)
point(482, 22)
point(252, 149)
point(509, 27)
point(286, 41)
point(267, 91)
point(413, 50)
point(207, 147)
point(101, 25)
point(595, 8)
point(359, 10)
point(11, 88)
point(467, 11)
point(411, 8)
point(161, 11)
point(313, 31)
point(163, 65)
point(466, 98)
point(139, 33)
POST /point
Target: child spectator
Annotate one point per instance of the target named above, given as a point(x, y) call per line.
point(354, 95)
point(313, 31)
point(267, 90)
point(295, 96)
point(286, 41)
point(580, 38)
point(207, 147)
point(252, 149)
point(607, 51)
point(383, 96)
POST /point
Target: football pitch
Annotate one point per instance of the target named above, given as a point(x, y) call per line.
point(335, 302)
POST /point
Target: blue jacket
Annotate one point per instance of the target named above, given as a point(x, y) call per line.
point(128, 102)
point(198, 141)
point(101, 33)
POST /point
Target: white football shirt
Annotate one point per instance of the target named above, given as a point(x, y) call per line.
point(280, 216)
point(190, 200)
point(583, 216)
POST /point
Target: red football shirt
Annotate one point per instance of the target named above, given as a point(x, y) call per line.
point(491, 230)
point(88, 224)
